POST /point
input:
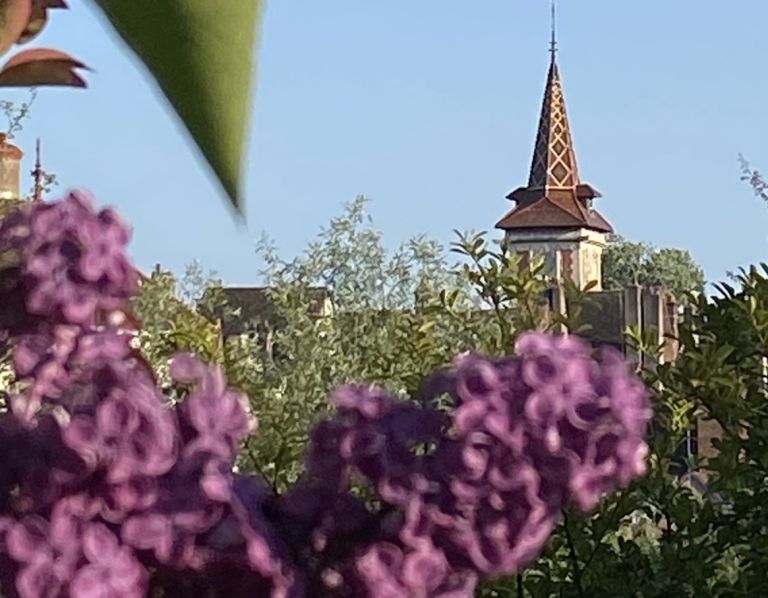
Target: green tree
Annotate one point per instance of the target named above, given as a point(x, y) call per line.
point(169, 313)
point(700, 533)
point(627, 263)
point(395, 317)
point(722, 374)
point(398, 315)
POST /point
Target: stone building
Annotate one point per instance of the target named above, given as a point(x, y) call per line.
point(10, 175)
point(10, 169)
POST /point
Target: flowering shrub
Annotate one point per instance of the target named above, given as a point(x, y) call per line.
point(109, 489)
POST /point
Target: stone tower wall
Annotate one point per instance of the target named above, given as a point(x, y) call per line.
point(568, 253)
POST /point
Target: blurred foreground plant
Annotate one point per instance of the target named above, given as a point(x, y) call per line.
point(108, 487)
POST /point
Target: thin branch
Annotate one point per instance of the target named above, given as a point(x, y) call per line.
point(610, 523)
point(577, 570)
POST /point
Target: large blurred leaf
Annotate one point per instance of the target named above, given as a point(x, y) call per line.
point(200, 53)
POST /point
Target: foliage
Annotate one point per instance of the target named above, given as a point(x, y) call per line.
point(482, 304)
point(396, 317)
point(169, 325)
point(379, 331)
point(47, 181)
point(754, 178)
point(723, 377)
point(689, 528)
point(16, 114)
point(114, 485)
point(626, 263)
point(692, 527)
point(350, 259)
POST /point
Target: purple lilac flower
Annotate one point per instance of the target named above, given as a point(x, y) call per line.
point(387, 571)
point(68, 263)
point(104, 480)
point(71, 555)
point(528, 435)
point(215, 416)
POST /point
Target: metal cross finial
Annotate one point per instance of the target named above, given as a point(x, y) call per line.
point(553, 40)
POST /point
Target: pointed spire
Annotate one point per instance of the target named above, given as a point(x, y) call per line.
point(38, 174)
point(554, 197)
point(554, 161)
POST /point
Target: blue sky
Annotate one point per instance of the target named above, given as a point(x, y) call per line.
point(429, 107)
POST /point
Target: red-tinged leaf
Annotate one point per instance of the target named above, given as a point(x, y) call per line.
point(41, 66)
point(37, 22)
point(39, 18)
point(14, 16)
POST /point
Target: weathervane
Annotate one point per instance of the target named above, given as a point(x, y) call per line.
point(553, 40)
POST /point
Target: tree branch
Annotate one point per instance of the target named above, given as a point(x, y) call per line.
point(574, 558)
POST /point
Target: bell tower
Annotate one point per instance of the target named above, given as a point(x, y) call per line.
point(554, 216)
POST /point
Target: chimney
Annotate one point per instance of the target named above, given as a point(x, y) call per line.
point(10, 166)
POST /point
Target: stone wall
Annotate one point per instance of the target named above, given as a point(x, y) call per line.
point(572, 253)
point(609, 314)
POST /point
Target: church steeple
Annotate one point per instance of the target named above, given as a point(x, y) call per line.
point(555, 196)
point(554, 161)
point(554, 215)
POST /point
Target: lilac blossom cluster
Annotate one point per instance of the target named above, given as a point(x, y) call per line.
point(62, 263)
point(477, 493)
point(109, 489)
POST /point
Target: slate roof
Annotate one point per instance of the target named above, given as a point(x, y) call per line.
point(554, 197)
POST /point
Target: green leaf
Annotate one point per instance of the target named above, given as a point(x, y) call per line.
point(200, 52)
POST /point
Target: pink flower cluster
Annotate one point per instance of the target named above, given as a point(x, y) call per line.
point(479, 492)
point(107, 489)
